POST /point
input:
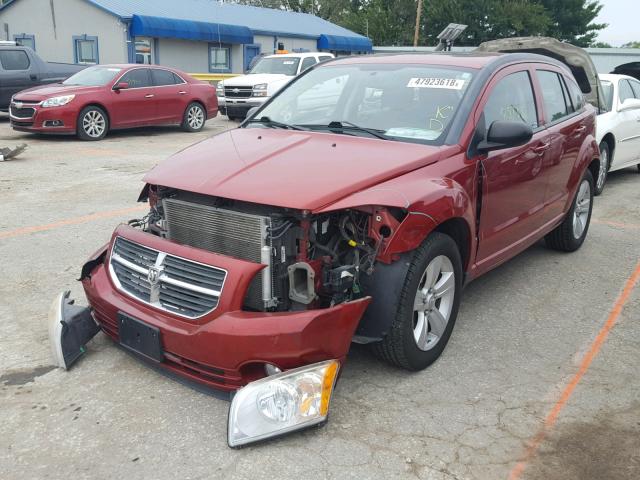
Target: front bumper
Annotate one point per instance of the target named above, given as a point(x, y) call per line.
point(238, 107)
point(32, 117)
point(228, 347)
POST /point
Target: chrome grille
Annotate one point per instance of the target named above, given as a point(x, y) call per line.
point(226, 232)
point(168, 282)
point(22, 112)
point(238, 92)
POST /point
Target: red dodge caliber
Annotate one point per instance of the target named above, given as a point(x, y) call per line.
point(109, 97)
point(353, 206)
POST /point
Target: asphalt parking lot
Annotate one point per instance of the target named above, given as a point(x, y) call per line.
point(539, 381)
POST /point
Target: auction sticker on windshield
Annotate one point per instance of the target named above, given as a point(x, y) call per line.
point(431, 82)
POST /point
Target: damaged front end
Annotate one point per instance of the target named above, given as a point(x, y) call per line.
point(259, 300)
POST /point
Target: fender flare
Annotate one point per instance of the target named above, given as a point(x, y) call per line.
point(589, 151)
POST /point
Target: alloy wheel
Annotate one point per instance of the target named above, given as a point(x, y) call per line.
point(581, 209)
point(604, 167)
point(94, 124)
point(433, 302)
point(195, 117)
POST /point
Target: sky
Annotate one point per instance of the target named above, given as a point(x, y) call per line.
point(623, 17)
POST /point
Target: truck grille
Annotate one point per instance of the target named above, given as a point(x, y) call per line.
point(225, 232)
point(168, 282)
point(238, 92)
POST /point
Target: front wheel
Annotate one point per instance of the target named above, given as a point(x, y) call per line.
point(605, 156)
point(427, 307)
point(570, 234)
point(194, 118)
point(93, 123)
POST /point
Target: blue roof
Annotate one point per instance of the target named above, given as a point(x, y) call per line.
point(142, 25)
point(260, 20)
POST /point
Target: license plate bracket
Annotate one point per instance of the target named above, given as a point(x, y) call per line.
point(139, 337)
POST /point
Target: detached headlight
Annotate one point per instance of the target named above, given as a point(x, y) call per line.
point(282, 403)
point(58, 101)
point(260, 90)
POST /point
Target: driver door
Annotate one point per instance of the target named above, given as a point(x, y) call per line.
point(514, 180)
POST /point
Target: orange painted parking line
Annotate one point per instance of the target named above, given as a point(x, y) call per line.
point(552, 416)
point(616, 224)
point(69, 221)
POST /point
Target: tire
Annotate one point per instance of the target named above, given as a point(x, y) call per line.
point(638, 167)
point(570, 234)
point(92, 124)
point(605, 162)
point(194, 118)
point(417, 337)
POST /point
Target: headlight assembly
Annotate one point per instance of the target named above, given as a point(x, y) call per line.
point(58, 101)
point(260, 90)
point(282, 403)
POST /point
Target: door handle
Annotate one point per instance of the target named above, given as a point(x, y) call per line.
point(149, 95)
point(182, 92)
point(540, 149)
point(33, 77)
point(579, 130)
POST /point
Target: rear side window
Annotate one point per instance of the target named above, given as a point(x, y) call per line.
point(324, 58)
point(137, 78)
point(163, 77)
point(14, 60)
point(625, 90)
point(553, 94)
point(512, 99)
point(577, 98)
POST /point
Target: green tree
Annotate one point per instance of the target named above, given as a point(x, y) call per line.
point(631, 45)
point(573, 20)
point(601, 45)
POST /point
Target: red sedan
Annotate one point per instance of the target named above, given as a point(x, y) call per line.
point(109, 97)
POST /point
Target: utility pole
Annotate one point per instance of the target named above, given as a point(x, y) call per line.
point(417, 30)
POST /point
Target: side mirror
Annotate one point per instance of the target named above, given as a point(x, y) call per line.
point(505, 134)
point(629, 104)
point(121, 86)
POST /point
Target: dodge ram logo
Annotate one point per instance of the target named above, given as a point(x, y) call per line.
point(153, 275)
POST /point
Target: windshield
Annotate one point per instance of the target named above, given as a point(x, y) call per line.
point(607, 90)
point(93, 76)
point(280, 65)
point(413, 103)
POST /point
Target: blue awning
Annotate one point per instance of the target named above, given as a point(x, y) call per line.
point(146, 26)
point(344, 44)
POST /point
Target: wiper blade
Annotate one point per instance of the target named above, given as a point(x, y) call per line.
point(344, 125)
point(273, 124)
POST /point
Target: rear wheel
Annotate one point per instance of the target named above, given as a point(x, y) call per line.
point(427, 307)
point(570, 234)
point(605, 159)
point(194, 118)
point(93, 123)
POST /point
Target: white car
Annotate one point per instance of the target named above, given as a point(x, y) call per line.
point(238, 95)
point(618, 130)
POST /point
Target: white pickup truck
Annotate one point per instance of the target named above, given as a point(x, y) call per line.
point(238, 95)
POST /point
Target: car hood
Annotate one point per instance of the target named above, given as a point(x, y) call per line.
point(255, 79)
point(576, 58)
point(53, 90)
point(295, 169)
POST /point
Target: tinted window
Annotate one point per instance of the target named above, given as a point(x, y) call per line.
point(553, 95)
point(577, 98)
point(137, 78)
point(307, 62)
point(163, 77)
point(512, 99)
point(625, 90)
point(635, 85)
point(14, 60)
point(325, 57)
